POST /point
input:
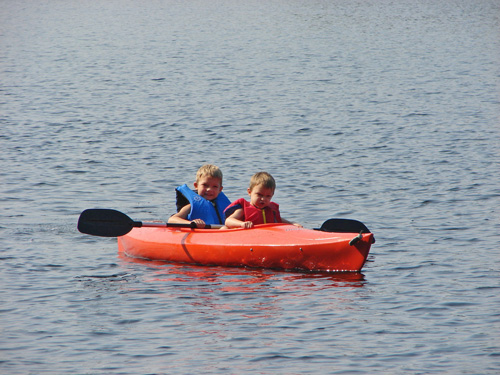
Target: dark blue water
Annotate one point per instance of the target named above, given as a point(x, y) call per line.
point(387, 112)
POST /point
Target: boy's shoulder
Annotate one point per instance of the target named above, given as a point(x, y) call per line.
point(239, 202)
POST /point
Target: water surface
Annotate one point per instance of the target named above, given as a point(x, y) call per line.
point(386, 112)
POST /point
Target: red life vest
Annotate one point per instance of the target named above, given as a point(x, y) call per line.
point(270, 214)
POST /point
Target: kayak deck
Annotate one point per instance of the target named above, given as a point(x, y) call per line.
point(272, 246)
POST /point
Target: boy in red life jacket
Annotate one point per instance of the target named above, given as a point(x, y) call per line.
point(260, 209)
point(205, 204)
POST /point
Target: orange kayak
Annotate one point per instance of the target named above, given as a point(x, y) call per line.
point(272, 246)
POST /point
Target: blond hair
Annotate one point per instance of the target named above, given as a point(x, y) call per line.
point(209, 170)
point(264, 179)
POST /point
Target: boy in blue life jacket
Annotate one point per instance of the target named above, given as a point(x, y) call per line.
point(260, 209)
point(205, 204)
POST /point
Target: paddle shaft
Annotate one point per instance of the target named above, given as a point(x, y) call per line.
point(192, 225)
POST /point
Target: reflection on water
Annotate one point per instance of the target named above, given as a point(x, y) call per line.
point(169, 272)
point(219, 298)
point(242, 293)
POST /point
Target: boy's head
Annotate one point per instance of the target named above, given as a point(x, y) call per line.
point(261, 189)
point(208, 182)
point(264, 179)
point(209, 170)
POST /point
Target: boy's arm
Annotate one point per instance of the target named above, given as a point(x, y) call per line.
point(181, 217)
point(235, 220)
point(283, 220)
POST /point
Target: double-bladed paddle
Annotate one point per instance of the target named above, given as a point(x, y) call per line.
point(111, 223)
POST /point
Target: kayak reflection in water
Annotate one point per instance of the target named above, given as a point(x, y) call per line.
point(206, 203)
point(260, 209)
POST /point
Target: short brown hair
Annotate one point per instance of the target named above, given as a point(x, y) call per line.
point(263, 178)
point(209, 170)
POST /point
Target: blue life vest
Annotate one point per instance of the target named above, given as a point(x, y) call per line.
point(211, 212)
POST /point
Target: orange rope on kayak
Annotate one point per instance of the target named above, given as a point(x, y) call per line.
point(264, 216)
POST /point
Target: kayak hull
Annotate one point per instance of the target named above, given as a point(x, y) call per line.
point(272, 246)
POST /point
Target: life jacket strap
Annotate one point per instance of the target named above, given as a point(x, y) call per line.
point(217, 211)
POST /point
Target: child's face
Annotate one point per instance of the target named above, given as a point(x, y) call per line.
point(260, 196)
point(208, 187)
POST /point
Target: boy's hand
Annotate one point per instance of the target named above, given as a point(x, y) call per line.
point(199, 223)
point(247, 225)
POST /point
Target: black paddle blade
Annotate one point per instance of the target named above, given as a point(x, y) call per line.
point(344, 226)
point(105, 223)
